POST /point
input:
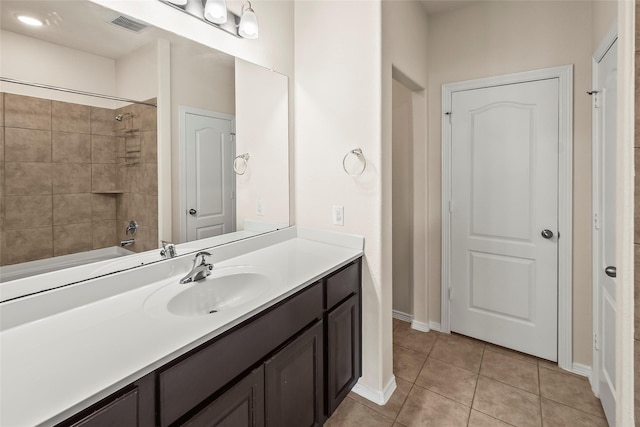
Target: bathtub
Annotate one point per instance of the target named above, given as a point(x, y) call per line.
point(31, 268)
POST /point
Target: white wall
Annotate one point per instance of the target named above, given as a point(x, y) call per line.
point(337, 108)
point(32, 60)
point(137, 73)
point(262, 108)
point(493, 38)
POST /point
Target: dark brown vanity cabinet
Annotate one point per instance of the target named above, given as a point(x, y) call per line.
point(294, 382)
point(288, 366)
point(343, 338)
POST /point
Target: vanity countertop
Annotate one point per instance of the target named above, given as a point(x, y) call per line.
point(54, 366)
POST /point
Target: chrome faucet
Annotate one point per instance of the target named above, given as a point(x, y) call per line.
point(200, 270)
point(168, 250)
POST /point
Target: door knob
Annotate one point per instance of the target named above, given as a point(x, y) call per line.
point(192, 211)
point(547, 234)
point(611, 271)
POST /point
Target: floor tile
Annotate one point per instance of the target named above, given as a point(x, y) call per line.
point(392, 408)
point(550, 365)
point(421, 342)
point(512, 353)
point(506, 403)
point(569, 389)
point(478, 419)
point(353, 414)
point(407, 363)
point(463, 352)
point(557, 415)
point(397, 322)
point(425, 408)
point(448, 380)
point(509, 370)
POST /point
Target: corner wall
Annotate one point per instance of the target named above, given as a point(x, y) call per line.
point(404, 58)
point(337, 108)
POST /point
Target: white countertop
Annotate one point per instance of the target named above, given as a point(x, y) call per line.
point(52, 367)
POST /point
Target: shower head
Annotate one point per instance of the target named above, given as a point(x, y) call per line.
point(119, 117)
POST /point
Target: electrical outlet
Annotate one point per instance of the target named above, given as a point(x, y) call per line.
point(338, 215)
point(260, 207)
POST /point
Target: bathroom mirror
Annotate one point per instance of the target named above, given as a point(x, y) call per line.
point(207, 166)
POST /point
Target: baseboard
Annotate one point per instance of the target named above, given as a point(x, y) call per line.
point(580, 369)
point(402, 316)
point(435, 326)
point(420, 326)
point(379, 397)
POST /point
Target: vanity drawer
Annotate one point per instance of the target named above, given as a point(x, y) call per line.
point(342, 284)
point(184, 385)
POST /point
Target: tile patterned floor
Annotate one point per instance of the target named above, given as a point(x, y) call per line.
point(451, 380)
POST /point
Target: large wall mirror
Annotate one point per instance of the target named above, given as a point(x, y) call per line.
point(190, 145)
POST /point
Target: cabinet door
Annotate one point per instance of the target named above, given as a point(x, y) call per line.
point(294, 382)
point(122, 411)
point(241, 406)
point(343, 351)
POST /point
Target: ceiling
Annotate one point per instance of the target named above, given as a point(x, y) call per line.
point(83, 26)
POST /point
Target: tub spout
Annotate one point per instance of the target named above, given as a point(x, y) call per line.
point(124, 243)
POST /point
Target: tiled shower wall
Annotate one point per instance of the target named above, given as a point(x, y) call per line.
point(58, 175)
point(137, 175)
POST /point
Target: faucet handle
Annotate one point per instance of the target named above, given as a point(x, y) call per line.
point(202, 254)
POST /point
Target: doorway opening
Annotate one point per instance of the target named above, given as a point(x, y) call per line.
point(409, 293)
point(402, 200)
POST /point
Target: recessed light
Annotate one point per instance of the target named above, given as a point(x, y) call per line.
point(34, 22)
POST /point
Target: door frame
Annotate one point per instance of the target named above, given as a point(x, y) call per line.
point(183, 110)
point(609, 39)
point(564, 74)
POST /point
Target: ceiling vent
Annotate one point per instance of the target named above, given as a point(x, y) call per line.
point(129, 24)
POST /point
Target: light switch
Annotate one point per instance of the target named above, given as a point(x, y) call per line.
point(338, 215)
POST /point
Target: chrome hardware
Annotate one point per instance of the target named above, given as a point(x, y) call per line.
point(192, 211)
point(168, 250)
point(198, 271)
point(547, 234)
point(124, 243)
point(610, 271)
point(132, 228)
point(241, 163)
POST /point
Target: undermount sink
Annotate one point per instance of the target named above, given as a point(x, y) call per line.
point(226, 288)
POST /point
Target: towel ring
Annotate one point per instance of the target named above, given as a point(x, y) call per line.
point(358, 153)
point(241, 168)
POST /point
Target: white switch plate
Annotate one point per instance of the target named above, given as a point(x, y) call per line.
point(260, 207)
point(338, 215)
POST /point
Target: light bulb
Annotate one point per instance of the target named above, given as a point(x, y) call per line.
point(248, 24)
point(216, 11)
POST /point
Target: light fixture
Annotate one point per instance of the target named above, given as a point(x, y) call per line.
point(29, 20)
point(248, 28)
point(216, 11)
point(216, 14)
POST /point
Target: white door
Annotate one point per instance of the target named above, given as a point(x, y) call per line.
point(604, 105)
point(504, 215)
point(209, 175)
